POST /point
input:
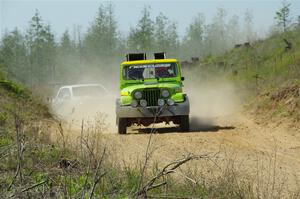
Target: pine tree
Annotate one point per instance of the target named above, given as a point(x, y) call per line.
point(216, 40)
point(233, 31)
point(283, 16)
point(165, 35)
point(248, 25)
point(102, 37)
point(13, 56)
point(195, 36)
point(141, 38)
point(41, 46)
point(173, 40)
point(66, 45)
point(66, 66)
point(160, 33)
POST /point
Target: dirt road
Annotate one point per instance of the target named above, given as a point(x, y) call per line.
point(267, 152)
point(255, 150)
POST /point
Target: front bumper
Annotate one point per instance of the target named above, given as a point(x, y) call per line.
point(182, 108)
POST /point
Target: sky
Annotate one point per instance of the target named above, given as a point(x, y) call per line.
point(66, 14)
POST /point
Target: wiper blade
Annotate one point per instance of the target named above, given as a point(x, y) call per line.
point(132, 77)
point(135, 78)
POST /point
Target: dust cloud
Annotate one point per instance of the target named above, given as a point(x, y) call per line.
point(210, 98)
point(90, 106)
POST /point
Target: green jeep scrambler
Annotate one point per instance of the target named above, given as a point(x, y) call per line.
point(151, 92)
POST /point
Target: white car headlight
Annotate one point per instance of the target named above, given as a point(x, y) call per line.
point(165, 93)
point(161, 102)
point(143, 103)
point(138, 95)
point(134, 103)
point(170, 102)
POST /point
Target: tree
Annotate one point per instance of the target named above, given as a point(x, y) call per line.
point(233, 31)
point(165, 35)
point(283, 16)
point(173, 40)
point(13, 56)
point(141, 38)
point(41, 51)
point(67, 59)
point(216, 34)
point(248, 26)
point(66, 45)
point(160, 33)
point(194, 39)
point(102, 37)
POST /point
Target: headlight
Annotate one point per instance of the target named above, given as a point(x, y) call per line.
point(124, 93)
point(170, 102)
point(161, 102)
point(134, 103)
point(143, 103)
point(165, 93)
point(138, 95)
point(178, 90)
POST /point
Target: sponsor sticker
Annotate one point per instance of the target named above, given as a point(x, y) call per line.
point(151, 66)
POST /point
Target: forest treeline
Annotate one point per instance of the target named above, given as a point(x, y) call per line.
point(37, 57)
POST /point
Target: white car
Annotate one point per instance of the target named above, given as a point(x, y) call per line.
point(81, 100)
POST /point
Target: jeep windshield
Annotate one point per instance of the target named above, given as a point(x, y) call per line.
point(150, 71)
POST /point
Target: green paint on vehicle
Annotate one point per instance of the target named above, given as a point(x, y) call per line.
point(173, 85)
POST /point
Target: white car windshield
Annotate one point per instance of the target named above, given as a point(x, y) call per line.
point(88, 91)
point(149, 71)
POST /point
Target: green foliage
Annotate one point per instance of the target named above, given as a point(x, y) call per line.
point(68, 60)
point(12, 87)
point(141, 38)
point(101, 39)
point(5, 139)
point(194, 39)
point(248, 23)
point(3, 118)
point(260, 70)
point(165, 35)
point(283, 15)
point(13, 56)
point(41, 47)
point(1, 73)
point(48, 154)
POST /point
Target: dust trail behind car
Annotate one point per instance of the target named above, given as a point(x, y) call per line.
point(210, 97)
point(83, 102)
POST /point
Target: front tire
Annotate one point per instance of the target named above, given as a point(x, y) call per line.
point(185, 123)
point(122, 125)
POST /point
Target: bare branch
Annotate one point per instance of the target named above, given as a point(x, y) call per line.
point(147, 155)
point(96, 176)
point(169, 168)
point(20, 147)
point(29, 188)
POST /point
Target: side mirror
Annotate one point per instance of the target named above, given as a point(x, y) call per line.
point(182, 78)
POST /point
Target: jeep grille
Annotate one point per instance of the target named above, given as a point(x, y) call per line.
point(151, 96)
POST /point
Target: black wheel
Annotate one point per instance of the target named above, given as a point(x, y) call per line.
point(122, 125)
point(184, 123)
